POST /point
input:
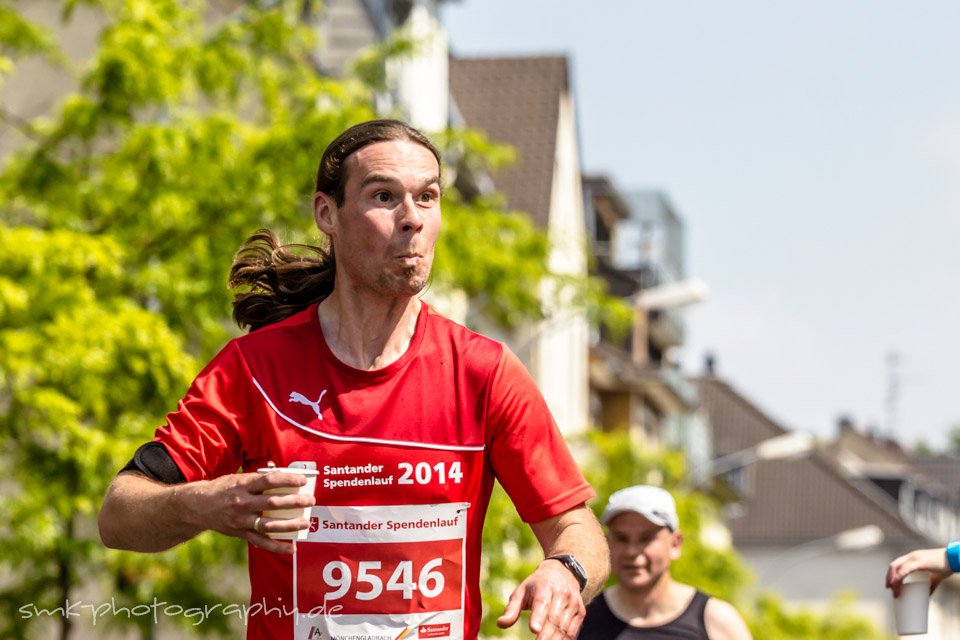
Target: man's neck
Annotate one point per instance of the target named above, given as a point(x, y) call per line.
point(368, 334)
point(661, 602)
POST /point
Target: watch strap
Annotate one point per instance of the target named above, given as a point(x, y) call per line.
point(573, 566)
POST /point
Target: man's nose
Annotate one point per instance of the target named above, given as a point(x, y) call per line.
point(411, 219)
point(636, 548)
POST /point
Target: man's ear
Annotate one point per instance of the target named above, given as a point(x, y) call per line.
point(676, 544)
point(324, 212)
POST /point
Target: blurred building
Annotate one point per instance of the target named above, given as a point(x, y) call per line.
point(924, 487)
point(637, 241)
point(810, 528)
point(416, 84)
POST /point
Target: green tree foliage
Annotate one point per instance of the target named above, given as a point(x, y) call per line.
point(119, 215)
point(87, 373)
point(504, 281)
point(772, 620)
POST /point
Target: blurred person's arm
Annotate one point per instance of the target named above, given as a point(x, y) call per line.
point(932, 560)
point(723, 621)
point(552, 593)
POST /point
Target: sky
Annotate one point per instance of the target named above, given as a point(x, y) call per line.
point(813, 151)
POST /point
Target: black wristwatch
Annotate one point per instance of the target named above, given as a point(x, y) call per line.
point(574, 567)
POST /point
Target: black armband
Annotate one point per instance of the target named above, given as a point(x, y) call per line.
point(154, 461)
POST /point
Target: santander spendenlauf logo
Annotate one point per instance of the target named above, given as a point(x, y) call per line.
point(296, 396)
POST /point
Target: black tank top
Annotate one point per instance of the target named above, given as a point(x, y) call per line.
point(601, 624)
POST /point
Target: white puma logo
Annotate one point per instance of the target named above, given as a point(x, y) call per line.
point(296, 396)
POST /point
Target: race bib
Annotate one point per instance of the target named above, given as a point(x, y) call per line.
point(382, 573)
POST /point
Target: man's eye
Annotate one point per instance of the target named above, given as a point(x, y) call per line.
point(428, 197)
point(381, 196)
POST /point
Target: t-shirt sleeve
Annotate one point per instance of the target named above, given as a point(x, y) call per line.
point(204, 436)
point(527, 451)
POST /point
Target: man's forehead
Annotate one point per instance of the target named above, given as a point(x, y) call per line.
point(392, 156)
point(630, 521)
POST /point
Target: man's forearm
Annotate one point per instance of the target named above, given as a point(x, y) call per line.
point(140, 514)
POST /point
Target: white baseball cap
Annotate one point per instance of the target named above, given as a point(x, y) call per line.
point(653, 503)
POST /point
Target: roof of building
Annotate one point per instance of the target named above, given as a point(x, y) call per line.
point(516, 101)
point(877, 458)
point(790, 502)
point(945, 469)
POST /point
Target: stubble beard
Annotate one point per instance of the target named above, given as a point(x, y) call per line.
point(410, 281)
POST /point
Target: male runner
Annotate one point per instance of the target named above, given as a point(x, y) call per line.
point(408, 417)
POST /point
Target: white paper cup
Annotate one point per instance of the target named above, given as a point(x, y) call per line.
point(910, 609)
point(307, 490)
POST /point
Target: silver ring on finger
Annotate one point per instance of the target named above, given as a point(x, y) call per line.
point(256, 524)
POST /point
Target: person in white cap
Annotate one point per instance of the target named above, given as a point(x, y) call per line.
point(643, 533)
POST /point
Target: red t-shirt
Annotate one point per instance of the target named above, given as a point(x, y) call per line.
point(407, 456)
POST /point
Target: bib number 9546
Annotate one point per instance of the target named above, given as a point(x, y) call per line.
point(370, 584)
point(384, 559)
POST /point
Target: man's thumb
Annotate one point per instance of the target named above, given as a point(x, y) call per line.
point(511, 613)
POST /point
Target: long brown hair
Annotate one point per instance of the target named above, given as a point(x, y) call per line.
point(278, 280)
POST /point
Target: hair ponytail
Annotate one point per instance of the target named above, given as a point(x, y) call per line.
point(275, 281)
